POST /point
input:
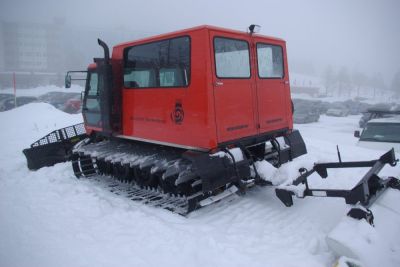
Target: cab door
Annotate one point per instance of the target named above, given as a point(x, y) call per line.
point(233, 86)
point(273, 96)
point(91, 102)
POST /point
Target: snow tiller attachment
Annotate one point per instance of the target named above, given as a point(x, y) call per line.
point(363, 194)
point(373, 218)
point(55, 147)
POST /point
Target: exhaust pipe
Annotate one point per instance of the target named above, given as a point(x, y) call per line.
point(106, 50)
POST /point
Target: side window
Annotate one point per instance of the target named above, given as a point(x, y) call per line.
point(270, 61)
point(93, 84)
point(139, 78)
point(164, 63)
point(232, 58)
point(92, 100)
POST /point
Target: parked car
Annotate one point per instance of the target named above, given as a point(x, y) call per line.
point(382, 134)
point(321, 106)
point(57, 99)
point(379, 111)
point(9, 103)
point(23, 100)
point(305, 117)
point(5, 96)
point(5, 103)
point(337, 112)
point(355, 107)
point(306, 111)
point(73, 105)
point(305, 104)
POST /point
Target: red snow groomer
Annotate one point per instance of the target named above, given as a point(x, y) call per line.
point(181, 118)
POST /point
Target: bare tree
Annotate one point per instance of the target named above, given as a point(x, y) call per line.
point(329, 79)
point(377, 83)
point(344, 80)
point(395, 86)
point(359, 79)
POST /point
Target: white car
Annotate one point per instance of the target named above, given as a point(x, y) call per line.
point(382, 134)
point(337, 112)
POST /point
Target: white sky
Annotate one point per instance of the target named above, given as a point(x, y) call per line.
point(361, 34)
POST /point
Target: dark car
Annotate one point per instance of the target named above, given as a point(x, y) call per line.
point(356, 107)
point(23, 100)
point(306, 111)
point(382, 110)
point(5, 102)
point(5, 96)
point(9, 103)
point(305, 117)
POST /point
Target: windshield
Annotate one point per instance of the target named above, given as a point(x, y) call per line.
point(381, 132)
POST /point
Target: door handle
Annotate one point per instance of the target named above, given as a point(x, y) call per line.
point(218, 83)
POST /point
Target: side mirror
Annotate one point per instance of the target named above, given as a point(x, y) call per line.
point(357, 134)
point(67, 81)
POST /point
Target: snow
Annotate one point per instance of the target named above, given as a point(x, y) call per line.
point(394, 119)
point(380, 240)
point(50, 218)
point(236, 153)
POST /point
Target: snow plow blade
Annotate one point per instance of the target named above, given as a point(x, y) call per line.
point(55, 147)
point(372, 223)
point(365, 192)
point(358, 240)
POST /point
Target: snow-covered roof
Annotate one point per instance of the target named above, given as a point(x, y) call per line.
point(394, 119)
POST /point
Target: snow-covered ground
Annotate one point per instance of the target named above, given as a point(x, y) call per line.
point(50, 218)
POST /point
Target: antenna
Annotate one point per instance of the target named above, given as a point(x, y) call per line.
point(338, 153)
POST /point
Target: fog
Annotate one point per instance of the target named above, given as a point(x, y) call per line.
point(358, 35)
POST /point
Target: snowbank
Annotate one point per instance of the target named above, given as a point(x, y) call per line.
point(49, 218)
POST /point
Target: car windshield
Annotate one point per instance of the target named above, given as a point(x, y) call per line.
point(381, 132)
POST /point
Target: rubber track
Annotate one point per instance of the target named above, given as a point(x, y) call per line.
point(145, 162)
point(150, 197)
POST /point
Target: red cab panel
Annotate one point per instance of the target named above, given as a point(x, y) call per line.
point(272, 83)
point(202, 87)
point(232, 85)
point(166, 96)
